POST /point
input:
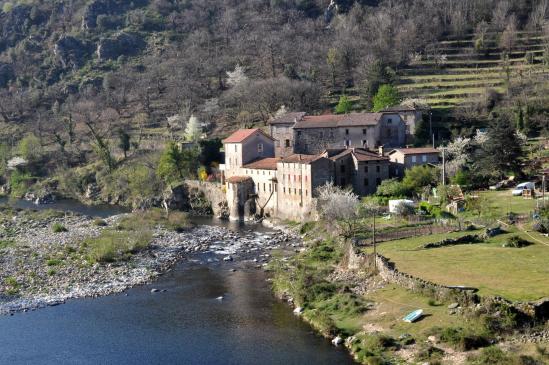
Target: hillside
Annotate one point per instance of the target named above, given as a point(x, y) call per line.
point(452, 72)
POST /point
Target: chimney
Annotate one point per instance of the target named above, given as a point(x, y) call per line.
point(380, 150)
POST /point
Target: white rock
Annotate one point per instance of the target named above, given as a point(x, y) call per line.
point(337, 341)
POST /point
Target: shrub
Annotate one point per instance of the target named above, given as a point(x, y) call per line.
point(462, 339)
point(392, 188)
point(20, 182)
point(53, 262)
point(516, 242)
point(113, 246)
point(541, 226)
point(58, 228)
point(100, 223)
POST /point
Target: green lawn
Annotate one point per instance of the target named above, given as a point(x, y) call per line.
point(516, 274)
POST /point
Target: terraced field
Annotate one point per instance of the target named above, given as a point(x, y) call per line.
point(453, 73)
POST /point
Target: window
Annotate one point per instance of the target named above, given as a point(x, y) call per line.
point(321, 134)
point(236, 148)
point(378, 168)
point(299, 133)
point(264, 189)
point(366, 169)
point(390, 121)
point(342, 168)
point(366, 182)
point(284, 190)
point(346, 132)
point(378, 181)
point(260, 147)
point(306, 192)
point(343, 182)
point(424, 158)
point(414, 160)
point(287, 143)
point(364, 131)
point(270, 188)
point(347, 143)
point(300, 192)
point(364, 143)
point(258, 187)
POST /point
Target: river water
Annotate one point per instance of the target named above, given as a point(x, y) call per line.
point(185, 324)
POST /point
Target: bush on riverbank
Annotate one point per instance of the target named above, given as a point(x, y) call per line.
point(112, 246)
point(58, 228)
point(149, 219)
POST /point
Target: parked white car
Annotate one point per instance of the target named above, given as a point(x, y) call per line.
point(517, 191)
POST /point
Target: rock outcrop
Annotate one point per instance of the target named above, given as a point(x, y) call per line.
point(121, 44)
point(71, 52)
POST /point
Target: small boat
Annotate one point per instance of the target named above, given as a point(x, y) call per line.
point(414, 316)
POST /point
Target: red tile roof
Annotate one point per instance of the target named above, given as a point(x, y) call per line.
point(299, 158)
point(263, 164)
point(335, 121)
point(361, 155)
point(238, 179)
point(416, 151)
point(242, 134)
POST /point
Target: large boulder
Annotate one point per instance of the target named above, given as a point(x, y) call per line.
point(71, 52)
point(120, 44)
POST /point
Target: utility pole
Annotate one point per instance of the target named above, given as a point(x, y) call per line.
point(431, 127)
point(374, 241)
point(443, 166)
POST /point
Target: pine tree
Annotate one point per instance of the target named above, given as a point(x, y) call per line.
point(502, 152)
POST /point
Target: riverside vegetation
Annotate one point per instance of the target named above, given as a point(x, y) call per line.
point(367, 312)
point(44, 265)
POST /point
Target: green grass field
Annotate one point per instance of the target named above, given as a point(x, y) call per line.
point(513, 273)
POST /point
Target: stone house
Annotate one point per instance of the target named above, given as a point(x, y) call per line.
point(411, 115)
point(298, 178)
point(282, 128)
point(245, 146)
point(406, 158)
point(360, 169)
point(303, 134)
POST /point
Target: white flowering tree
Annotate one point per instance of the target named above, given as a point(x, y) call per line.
point(458, 155)
point(193, 131)
point(343, 207)
point(237, 77)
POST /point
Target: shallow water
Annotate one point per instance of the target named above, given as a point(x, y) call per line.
point(186, 324)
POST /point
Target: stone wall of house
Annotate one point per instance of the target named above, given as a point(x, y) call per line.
point(372, 173)
point(284, 139)
point(312, 141)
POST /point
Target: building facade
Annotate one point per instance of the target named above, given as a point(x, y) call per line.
point(303, 134)
point(405, 158)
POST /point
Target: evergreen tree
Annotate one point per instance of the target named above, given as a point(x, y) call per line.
point(386, 96)
point(519, 116)
point(344, 105)
point(124, 142)
point(502, 152)
point(175, 163)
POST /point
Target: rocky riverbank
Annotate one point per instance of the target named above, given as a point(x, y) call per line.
point(39, 267)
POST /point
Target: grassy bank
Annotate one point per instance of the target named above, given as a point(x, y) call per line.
point(368, 313)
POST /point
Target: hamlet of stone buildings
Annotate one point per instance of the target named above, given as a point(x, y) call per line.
point(277, 173)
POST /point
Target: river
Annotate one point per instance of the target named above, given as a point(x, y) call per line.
point(183, 323)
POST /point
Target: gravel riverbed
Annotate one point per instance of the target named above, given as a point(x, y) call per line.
point(40, 268)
